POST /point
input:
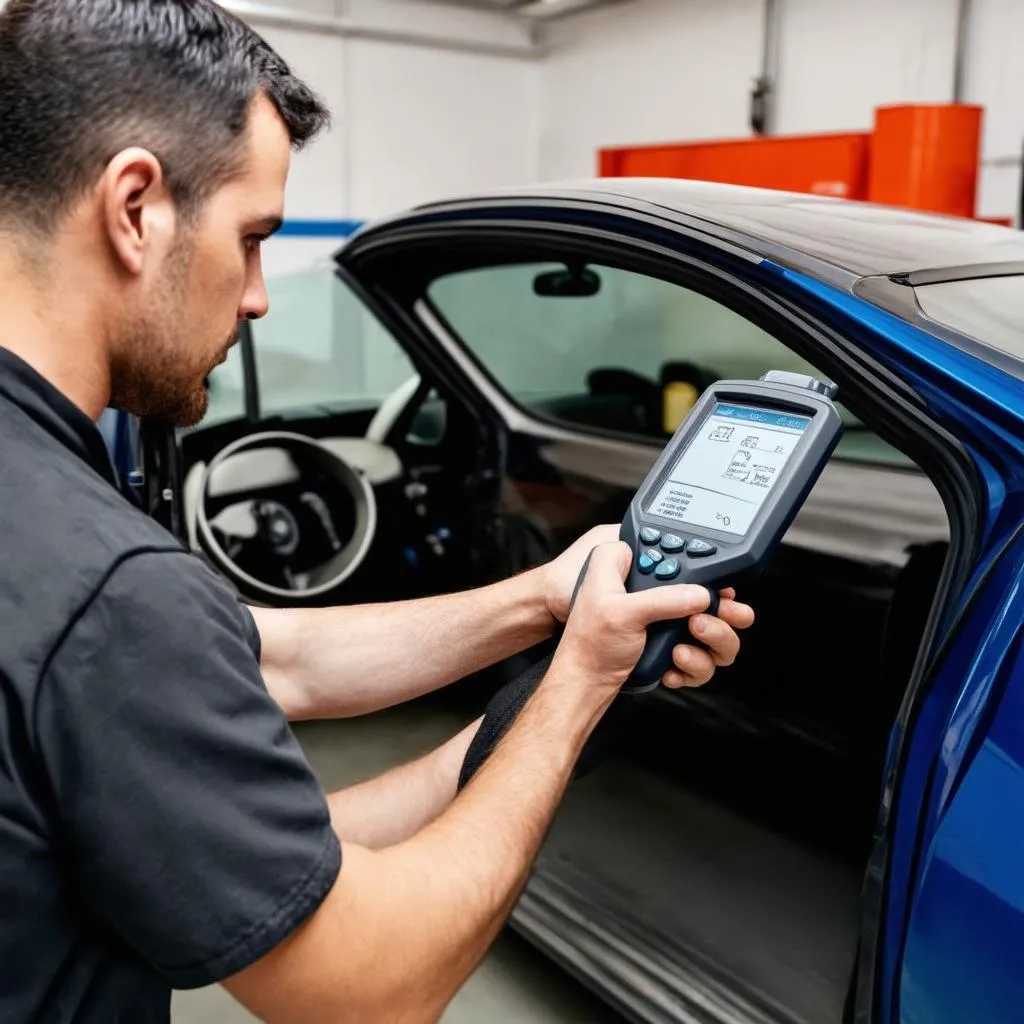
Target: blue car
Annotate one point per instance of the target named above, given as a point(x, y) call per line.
point(834, 828)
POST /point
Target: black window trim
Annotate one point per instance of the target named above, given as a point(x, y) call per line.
point(947, 275)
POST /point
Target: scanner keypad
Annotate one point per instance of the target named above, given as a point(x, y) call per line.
point(668, 570)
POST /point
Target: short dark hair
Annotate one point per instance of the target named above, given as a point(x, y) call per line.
point(81, 80)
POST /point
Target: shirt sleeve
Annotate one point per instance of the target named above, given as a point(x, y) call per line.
point(193, 824)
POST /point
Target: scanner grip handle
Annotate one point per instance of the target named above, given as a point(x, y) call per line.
point(657, 656)
point(661, 638)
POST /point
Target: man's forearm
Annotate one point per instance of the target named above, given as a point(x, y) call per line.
point(396, 805)
point(404, 926)
point(340, 662)
point(472, 863)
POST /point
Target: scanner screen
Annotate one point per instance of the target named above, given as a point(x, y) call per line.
point(724, 475)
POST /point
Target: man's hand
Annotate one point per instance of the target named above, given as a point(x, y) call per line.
point(560, 574)
point(694, 665)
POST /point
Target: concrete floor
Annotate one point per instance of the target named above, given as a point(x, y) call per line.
point(514, 984)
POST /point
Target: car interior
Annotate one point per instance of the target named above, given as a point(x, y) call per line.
point(718, 855)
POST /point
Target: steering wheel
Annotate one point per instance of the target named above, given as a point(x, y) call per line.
point(283, 517)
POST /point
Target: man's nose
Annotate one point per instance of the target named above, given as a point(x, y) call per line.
point(255, 302)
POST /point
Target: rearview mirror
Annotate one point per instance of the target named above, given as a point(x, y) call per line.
point(572, 283)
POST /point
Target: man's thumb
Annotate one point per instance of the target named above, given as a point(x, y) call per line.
point(610, 562)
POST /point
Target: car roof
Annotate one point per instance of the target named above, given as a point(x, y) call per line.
point(860, 239)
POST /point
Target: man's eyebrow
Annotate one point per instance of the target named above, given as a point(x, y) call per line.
point(266, 226)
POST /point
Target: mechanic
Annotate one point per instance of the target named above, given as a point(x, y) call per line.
point(159, 824)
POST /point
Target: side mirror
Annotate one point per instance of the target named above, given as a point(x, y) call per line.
point(575, 282)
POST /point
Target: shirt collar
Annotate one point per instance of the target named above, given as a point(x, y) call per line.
point(54, 412)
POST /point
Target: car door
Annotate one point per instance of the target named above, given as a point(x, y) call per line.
point(942, 899)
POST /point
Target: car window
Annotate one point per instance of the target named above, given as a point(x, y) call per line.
point(606, 348)
point(226, 390)
point(318, 349)
point(988, 309)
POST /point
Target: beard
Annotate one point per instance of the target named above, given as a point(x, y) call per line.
point(156, 372)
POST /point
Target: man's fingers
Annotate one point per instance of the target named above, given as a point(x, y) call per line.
point(662, 603)
point(718, 636)
point(737, 614)
point(692, 667)
point(727, 592)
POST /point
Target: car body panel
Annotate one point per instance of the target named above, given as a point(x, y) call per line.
point(964, 950)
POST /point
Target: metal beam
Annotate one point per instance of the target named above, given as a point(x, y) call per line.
point(762, 99)
point(963, 27)
point(281, 17)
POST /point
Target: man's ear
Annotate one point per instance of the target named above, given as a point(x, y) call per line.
point(139, 214)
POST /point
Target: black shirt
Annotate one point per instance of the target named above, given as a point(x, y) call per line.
point(159, 824)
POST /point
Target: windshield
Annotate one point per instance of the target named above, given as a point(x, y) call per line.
point(987, 309)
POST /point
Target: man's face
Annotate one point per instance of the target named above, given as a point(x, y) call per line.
point(210, 279)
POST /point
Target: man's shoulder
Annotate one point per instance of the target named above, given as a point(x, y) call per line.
point(62, 523)
point(170, 592)
point(64, 530)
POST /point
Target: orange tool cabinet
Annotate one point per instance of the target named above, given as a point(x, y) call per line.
point(923, 156)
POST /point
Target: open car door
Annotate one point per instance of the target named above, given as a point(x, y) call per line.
point(563, 340)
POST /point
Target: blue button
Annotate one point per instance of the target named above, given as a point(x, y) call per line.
point(700, 548)
point(645, 563)
point(672, 542)
point(649, 535)
point(668, 569)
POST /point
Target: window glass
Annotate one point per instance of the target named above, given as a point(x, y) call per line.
point(610, 349)
point(226, 390)
point(988, 309)
point(541, 346)
point(318, 349)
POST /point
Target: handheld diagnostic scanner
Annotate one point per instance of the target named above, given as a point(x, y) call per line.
point(723, 493)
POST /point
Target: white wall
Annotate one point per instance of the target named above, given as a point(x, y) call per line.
point(649, 71)
point(423, 125)
point(995, 78)
point(412, 121)
point(904, 53)
point(840, 59)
